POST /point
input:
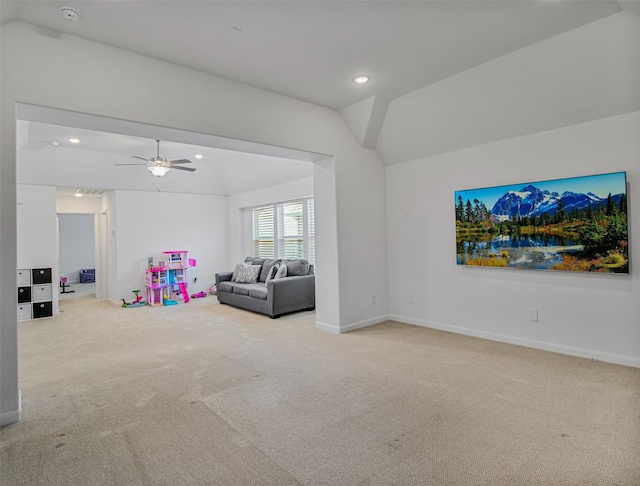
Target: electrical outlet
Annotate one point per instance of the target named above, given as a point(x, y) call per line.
point(533, 315)
point(410, 298)
point(373, 299)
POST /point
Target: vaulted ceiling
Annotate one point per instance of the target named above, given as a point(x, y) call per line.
point(312, 50)
point(308, 50)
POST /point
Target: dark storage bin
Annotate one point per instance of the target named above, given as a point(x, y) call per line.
point(42, 309)
point(24, 295)
point(87, 275)
point(40, 276)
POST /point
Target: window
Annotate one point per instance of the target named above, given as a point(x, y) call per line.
point(263, 238)
point(285, 230)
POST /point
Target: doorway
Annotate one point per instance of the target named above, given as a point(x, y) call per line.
point(77, 250)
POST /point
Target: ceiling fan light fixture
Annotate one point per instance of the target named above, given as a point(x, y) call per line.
point(158, 170)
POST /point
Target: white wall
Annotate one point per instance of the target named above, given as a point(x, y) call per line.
point(76, 244)
point(37, 233)
point(149, 223)
point(240, 231)
point(72, 204)
point(111, 259)
point(580, 80)
point(586, 315)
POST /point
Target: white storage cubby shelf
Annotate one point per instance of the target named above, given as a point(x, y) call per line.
point(35, 293)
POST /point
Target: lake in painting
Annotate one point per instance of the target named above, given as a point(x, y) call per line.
point(577, 224)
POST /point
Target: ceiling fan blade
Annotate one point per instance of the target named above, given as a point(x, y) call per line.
point(180, 161)
point(141, 158)
point(182, 168)
point(130, 164)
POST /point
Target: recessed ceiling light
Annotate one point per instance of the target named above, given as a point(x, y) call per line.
point(78, 193)
point(74, 140)
point(198, 156)
point(55, 144)
point(361, 79)
point(70, 14)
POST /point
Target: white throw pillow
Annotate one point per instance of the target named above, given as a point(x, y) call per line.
point(271, 275)
point(235, 272)
point(282, 272)
point(248, 273)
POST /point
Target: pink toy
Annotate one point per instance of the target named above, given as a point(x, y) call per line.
point(198, 295)
point(183, 290)
point(168, 279)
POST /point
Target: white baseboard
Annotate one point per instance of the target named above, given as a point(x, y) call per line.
point(351, 327)
point(367, 322)
point(8, 418)
point(327, 327)
point(530, 343)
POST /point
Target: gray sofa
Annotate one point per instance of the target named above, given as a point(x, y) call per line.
point(295, 292)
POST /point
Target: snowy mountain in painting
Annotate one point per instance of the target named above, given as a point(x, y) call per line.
point(531, 201)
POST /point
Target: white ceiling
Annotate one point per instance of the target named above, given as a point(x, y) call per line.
point(312, 50)
point(91, 163)
point(309, 50)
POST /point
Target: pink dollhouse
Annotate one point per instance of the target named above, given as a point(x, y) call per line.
point(169, 279)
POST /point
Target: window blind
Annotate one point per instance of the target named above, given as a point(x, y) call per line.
point(291, 230)
point(285, 230)
point(263, 236)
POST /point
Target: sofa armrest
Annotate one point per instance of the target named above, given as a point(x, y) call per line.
point(223, 277)
point(291, 294)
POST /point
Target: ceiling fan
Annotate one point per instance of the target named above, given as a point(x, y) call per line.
point(159, 166)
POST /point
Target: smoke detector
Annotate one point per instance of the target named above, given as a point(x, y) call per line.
point(70, 14)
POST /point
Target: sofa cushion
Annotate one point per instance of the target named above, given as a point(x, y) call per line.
point(248, 274)
point(225, 287)
point(254, 260)
point(266, 268)
point(241, 289)
point(258, 292)
point(296, 268)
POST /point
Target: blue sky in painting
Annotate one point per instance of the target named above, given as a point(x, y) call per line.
point(600, 185)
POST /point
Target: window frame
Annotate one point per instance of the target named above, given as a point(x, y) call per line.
point(308, 232)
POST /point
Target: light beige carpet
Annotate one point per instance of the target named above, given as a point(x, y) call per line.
point(205, 394)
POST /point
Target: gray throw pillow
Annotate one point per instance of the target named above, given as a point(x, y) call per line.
point(296, 268)
point(272, 274)
point(266, 268)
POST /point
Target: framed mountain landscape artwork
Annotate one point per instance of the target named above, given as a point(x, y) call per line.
point(577, 224)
